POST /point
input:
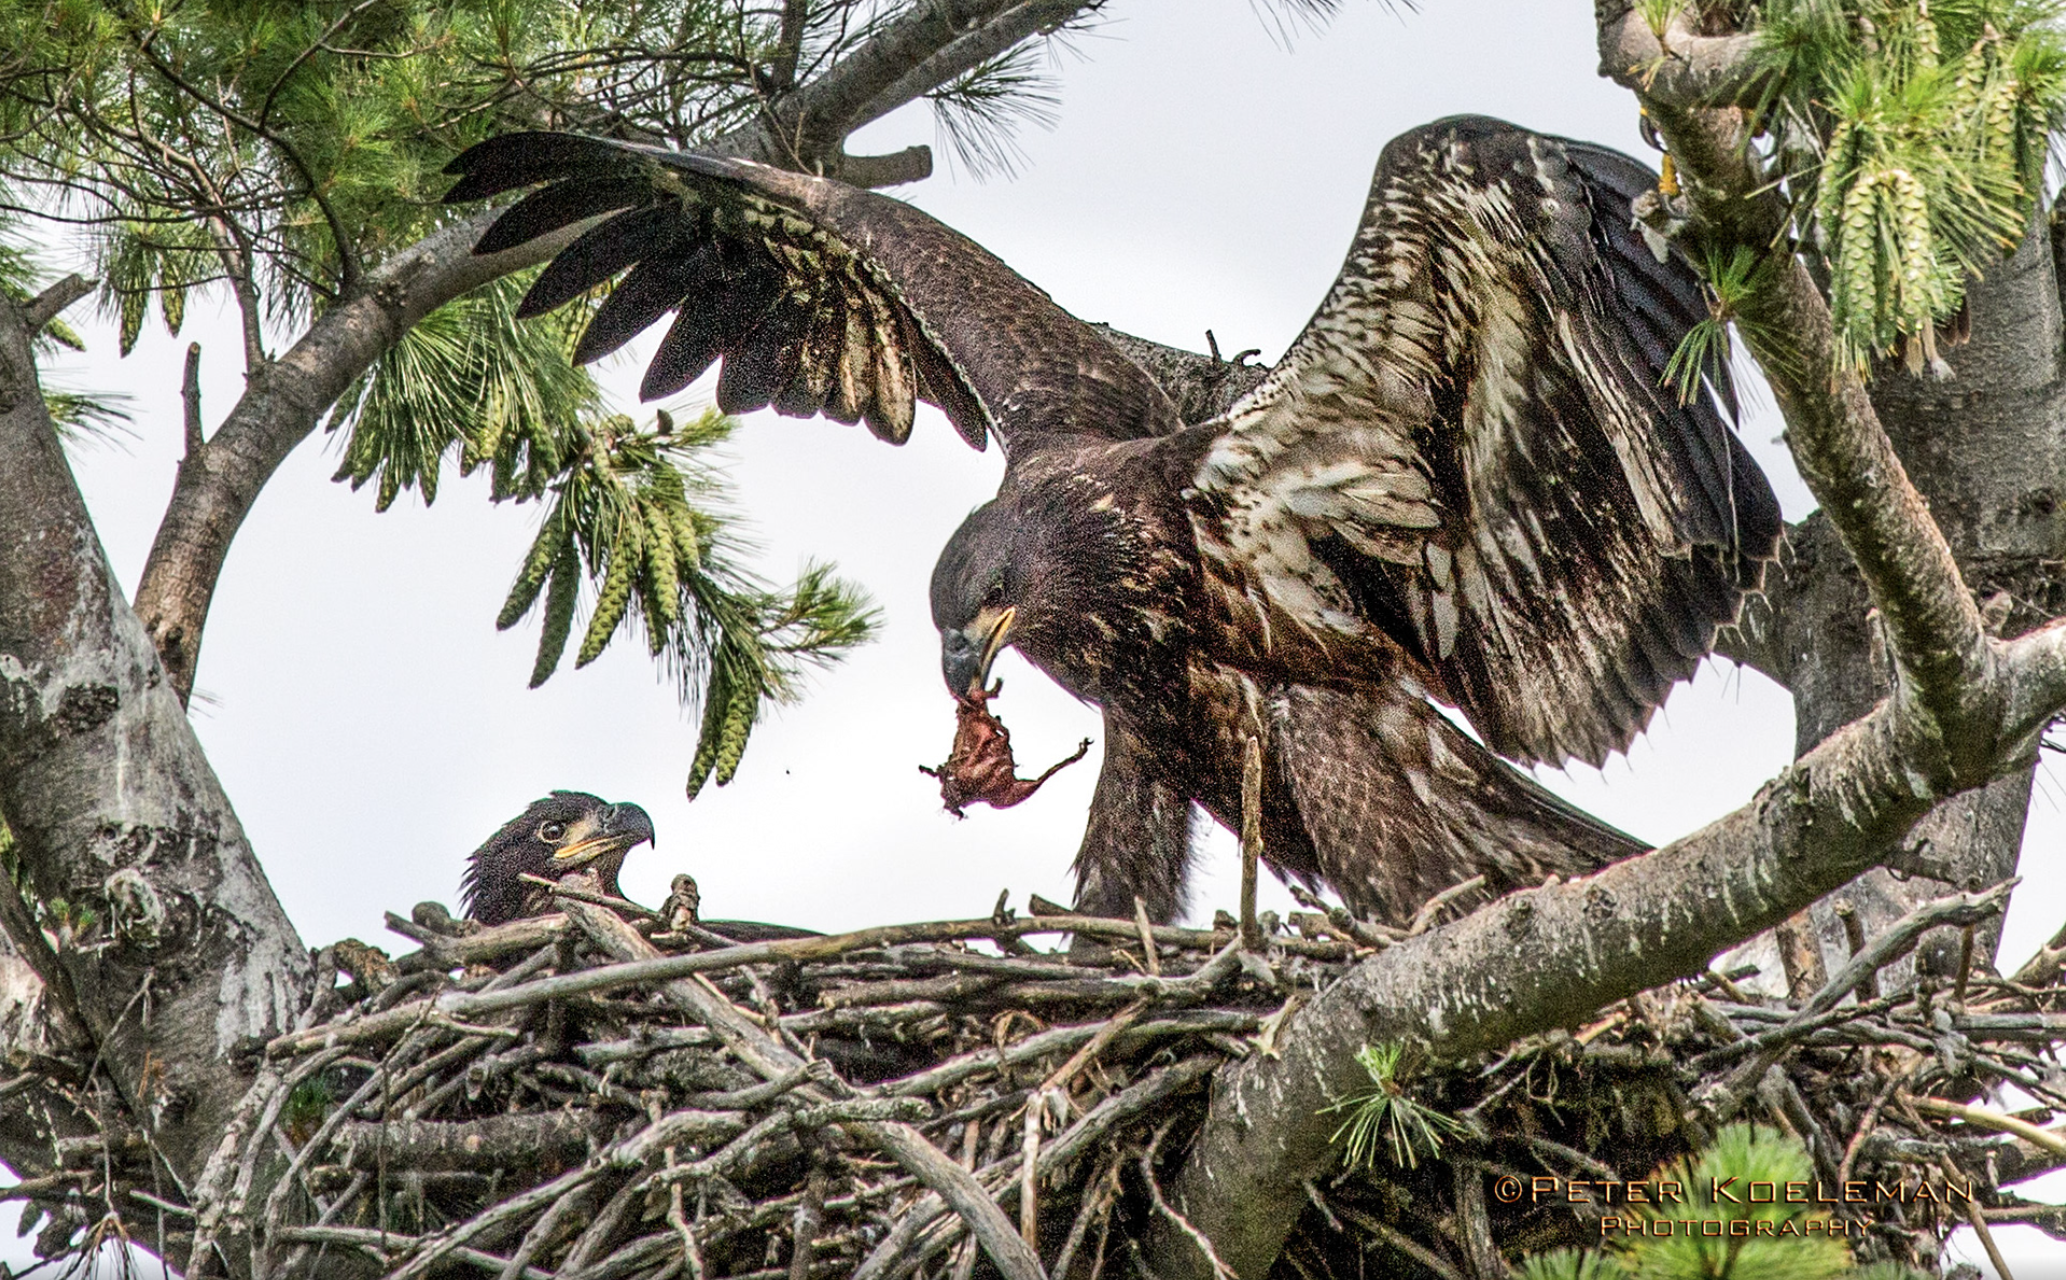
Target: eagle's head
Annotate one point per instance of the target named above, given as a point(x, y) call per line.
point(566, 831)
point(1070, 574)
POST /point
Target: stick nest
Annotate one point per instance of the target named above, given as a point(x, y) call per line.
point(610, 1092)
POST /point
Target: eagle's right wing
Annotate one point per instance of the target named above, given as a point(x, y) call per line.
point(818, 297)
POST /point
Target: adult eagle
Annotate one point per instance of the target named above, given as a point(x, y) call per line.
point(1464, 483)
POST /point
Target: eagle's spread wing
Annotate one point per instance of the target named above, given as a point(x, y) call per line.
point(819, 298)
point(1469, 452)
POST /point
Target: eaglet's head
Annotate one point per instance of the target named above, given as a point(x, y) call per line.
point(1053, 579)
point(564, 832)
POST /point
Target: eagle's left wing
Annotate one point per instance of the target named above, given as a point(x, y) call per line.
point(1470, 453)
point(816, 296)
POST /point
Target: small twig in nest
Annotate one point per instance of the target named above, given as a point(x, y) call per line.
point(1163, 1207)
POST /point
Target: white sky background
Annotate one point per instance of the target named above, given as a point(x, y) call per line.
point(372, 727)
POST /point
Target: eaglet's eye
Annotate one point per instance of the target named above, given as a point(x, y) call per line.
point(552, 832)
point(995, 595)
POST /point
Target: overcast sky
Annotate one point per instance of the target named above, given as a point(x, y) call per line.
point(372, 727)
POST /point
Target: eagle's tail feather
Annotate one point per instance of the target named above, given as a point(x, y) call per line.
point(1399, 804)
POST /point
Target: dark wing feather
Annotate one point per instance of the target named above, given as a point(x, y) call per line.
point(1470, 451)
point(768, 359)
point(652, 289)
point(561, 204)
point(836, 300)
point(596, 255)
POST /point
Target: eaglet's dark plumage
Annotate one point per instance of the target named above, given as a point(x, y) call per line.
point(1464, 483)
point(565, 832)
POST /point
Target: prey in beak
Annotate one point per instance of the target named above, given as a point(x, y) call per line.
point(967, 653)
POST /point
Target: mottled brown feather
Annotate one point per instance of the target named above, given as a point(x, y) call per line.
point(1469, 452)
point(923, 308)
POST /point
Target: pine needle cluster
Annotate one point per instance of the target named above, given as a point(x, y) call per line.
point(271, 156)
point(1912, 138)
point(1386, 1118)
point(633, 522)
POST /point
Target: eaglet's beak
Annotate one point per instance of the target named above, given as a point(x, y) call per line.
point(613, 829)
point(966, 654)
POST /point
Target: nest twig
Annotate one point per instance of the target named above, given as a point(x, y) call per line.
point(586, 1095)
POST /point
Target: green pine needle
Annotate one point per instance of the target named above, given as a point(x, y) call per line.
point(635, 518)
point(560, 599)
point(1385, 1117)
point(1913, 141)
point(1742, 1154)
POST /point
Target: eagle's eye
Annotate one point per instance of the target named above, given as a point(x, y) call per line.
point(995, 595)
point(552, 832)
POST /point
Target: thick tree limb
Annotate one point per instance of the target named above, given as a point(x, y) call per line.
point(1932, 625)
point(1534, 961)
point(194, 953)
point(1681, 68)
point(1890, 610)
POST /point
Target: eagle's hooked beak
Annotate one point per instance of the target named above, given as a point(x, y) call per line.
point(966, 654)
point(611, 830)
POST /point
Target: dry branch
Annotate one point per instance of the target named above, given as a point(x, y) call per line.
point(531, 1153)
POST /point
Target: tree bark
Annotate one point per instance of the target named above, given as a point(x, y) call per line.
point(115, 811)
point(1986, 450)
point(1531, 962)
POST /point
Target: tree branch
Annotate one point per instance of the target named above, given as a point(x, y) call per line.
point(1681, 68)
point(789, 43)
point(964, 54)
point(45, 306)
point(906, 59)
point(1534, 961)
point(912, 164)
point(552, 1138)
point(190, 402)
point(282, 405)
point(191, 952)
point(1933, 627)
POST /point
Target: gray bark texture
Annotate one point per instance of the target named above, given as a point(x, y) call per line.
point(115, 810)
point(1987, 450)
